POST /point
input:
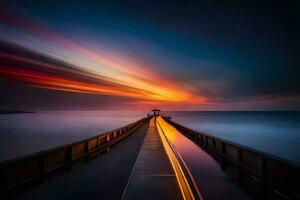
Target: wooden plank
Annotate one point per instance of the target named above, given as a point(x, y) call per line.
point(152, 176)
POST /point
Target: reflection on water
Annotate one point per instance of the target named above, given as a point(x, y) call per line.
point(27, 133)
point(276, 133)
point(205, 170)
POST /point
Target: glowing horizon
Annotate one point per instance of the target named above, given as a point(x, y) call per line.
point(37, 79)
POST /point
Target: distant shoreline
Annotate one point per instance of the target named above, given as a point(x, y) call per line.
point(14, 111)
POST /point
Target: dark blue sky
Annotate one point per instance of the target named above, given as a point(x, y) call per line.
point(237, 55)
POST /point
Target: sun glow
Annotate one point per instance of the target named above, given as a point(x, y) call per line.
point(52, 82)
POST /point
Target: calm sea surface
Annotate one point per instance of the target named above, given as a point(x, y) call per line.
point(276, 133)
point(21, 134)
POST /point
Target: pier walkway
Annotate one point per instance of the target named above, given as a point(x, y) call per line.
point(142, 166)
point(154, 160)
point(102, 178)
point(153, 176)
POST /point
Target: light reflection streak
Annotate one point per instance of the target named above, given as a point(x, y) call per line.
point(166, 131)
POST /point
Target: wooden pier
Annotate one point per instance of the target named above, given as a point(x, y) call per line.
point(138, 161)
point(153, 176)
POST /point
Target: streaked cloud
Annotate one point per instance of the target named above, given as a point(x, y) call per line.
point(207, 57)
point(87, 71)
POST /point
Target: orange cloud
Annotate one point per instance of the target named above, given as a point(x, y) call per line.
point(54, 82)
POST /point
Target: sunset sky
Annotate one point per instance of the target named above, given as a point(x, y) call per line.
point(141, 54)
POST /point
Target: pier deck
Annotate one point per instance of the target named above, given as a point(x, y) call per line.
point(153, 176)
point(101, 178)
point(142, 167)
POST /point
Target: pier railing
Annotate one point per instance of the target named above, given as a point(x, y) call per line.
point(262, 175)
point(36, 166)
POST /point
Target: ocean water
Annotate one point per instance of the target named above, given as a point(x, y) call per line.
point(21, 134)
point(276, 133)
